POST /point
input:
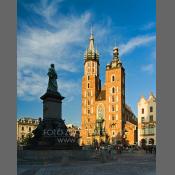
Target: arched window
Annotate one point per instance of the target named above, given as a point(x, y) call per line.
point(113, 118)
point(113, 78)
point(113, 109)
point(151, 109)
point(88, 111)
point(113, 90)
point(100, 112)
point(151, 141)
point(113, 100)
point(88, 85)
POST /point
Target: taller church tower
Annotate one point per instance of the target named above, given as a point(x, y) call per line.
point(91, 86)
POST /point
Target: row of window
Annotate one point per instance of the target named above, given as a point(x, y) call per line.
point(112, 108)
point(150, 119)
point(93, 70)
point(90, 64)
point(145, 141)
point(150, 109)
point(112, 99)
point(147, 131)
point(22, 128)
point(113, 90)
point(88, 68)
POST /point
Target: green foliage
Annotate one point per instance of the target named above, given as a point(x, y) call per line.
point(27, 139)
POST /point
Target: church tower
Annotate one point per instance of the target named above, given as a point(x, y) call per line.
point(115, 93)
point(91, 85)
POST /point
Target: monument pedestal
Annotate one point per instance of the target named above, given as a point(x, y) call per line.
point(51, 132)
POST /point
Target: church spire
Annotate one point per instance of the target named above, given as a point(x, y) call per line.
point(91, 52)
point(91, 41)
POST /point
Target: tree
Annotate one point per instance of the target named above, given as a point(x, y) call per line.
point(27, 139)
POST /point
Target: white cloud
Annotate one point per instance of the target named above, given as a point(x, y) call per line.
point(135, 42)
point(32, 85)
point(148, 68)
point(60, 42)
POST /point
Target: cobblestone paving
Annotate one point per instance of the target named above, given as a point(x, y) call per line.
point(125, 164)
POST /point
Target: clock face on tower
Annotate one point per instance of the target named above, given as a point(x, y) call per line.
point(100, 114)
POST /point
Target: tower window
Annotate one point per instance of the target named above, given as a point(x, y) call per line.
point(88, 102)
point(22, 128)
point(113, 109)
point(142, 119)
point(142, 110)
point(113, 99)
point(113, 78)
point(88, 85)
point(151, 118)
point(113, 90)
point(113, 118)
point(88, 111)
point(151, 109)
point(88, 77)
point(113, 126)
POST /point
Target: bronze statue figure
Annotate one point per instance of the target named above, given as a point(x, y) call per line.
point(52, 84)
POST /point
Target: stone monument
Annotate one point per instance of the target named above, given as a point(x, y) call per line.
point(51, 132)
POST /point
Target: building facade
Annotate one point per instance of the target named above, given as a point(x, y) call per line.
point(25, 126)
point(103, 108)
point(147, 121)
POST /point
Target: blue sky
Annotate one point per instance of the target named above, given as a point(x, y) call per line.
point(58, 32)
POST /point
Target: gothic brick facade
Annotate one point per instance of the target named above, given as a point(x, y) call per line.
point(103, 108)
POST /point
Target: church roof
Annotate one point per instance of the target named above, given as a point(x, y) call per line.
point(102, 95)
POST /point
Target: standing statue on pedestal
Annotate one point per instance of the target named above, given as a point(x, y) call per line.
point(51, 133)
point(52, 84)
